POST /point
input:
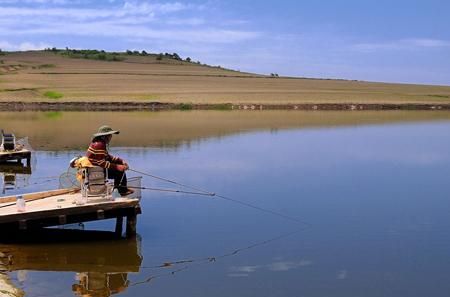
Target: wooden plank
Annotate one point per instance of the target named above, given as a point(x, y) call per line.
point(38, 195)
point(74, 210)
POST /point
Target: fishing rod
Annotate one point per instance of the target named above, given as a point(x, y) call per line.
point(173, 182)
point(172, 191)
point(212, 194)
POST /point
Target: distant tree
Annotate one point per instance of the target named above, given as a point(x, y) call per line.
point(135, 52)
point(144, 53)
point(188, 59)
point(54, 49)
point(129, 52)
point(159, 57)
point(176, 56)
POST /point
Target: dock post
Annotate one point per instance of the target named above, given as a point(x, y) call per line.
point(131, 225)
point(119, 226)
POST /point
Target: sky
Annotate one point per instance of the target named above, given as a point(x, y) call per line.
point(387, 41)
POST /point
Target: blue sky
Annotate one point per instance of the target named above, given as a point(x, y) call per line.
point(392, 41)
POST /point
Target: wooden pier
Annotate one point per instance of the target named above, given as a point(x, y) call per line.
point(58, 207)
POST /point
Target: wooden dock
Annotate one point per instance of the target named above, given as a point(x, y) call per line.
point(58, 207)
point(16, 155)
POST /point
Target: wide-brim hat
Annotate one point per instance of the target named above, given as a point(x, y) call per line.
point(106, 130)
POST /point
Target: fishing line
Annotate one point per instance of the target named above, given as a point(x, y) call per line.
point(205, 260)
point(228, 254)
point(207, 193)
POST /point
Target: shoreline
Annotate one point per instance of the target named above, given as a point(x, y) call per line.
point(160, 106)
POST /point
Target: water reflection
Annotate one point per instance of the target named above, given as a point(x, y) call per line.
point(100, 261)
point(171, 129)
point(14, 175)
point(376, 197)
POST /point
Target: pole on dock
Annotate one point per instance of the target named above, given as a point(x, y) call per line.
point(119, 226)
point(131, 225)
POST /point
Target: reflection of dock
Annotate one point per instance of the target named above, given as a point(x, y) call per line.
point(15, 155)
point(58, 207)
point(74, 250)
point(11, 172)
point(101, 266)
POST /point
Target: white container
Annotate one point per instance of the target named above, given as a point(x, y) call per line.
point(80, 200)
point(20, 202)
point(115, 194)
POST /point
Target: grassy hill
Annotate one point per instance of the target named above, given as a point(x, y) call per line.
point(38, 76)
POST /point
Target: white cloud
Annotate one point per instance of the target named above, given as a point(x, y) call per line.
point(402, 44)
point(57, 2)
point(23, 46)
point(187, 21)
point(106, 29)
point(136, 20)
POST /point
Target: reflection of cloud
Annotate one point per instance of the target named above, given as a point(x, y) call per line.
point(275, 266)
point(406, 158)
point(287, 265)
point(238, 274)
point(342, 274)
point(248, 269)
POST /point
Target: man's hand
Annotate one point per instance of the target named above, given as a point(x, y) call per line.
point(122, 167)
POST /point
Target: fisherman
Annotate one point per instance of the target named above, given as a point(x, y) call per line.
point(98, 155)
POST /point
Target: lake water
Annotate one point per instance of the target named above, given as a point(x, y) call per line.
point(373, 203)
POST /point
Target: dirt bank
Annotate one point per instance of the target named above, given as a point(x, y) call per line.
point(158, 106)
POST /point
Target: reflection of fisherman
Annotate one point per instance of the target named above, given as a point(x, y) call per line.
point(99, 156)
point(97, 284)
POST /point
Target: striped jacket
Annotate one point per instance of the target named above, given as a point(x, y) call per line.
point(99, 156)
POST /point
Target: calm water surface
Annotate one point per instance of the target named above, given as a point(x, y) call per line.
point(376, 198)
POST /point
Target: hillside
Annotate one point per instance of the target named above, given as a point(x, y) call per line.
point(46, 76)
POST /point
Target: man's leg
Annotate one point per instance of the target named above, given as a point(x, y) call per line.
point(120, 180)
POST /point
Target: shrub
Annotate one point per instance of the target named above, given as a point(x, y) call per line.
point(46, 66)
point(53, 95)
point(185, 106)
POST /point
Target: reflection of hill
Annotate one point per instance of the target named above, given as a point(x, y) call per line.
point(72, 130)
